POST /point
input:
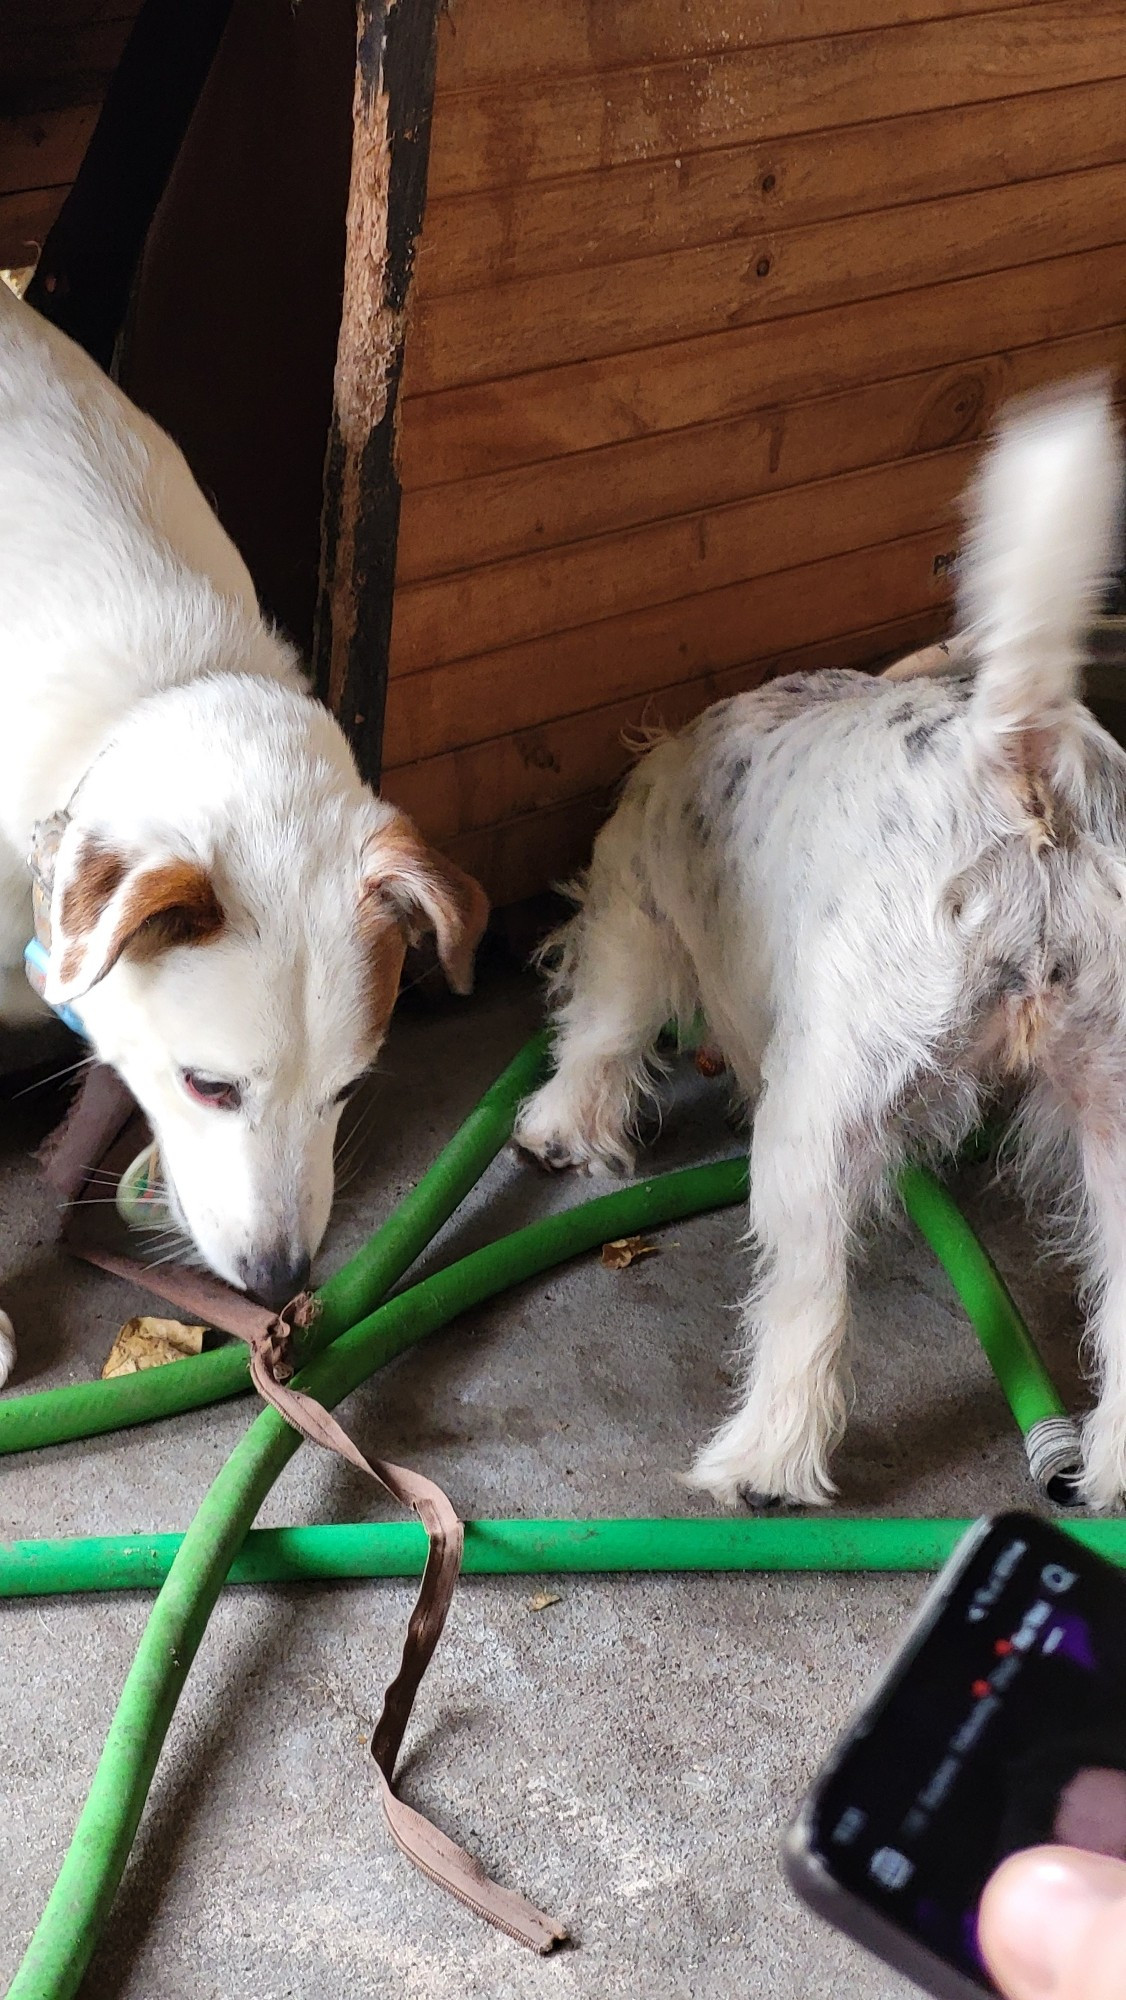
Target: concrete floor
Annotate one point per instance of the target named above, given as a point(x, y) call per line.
point(627, 1757)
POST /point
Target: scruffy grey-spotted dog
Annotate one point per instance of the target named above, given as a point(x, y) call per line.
point(888, 898)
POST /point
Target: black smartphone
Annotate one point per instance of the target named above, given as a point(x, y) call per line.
point(1000, 1724)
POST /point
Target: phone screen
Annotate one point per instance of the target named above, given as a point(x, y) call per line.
point(1002, 1727)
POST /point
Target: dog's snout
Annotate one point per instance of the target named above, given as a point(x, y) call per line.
point(277, 1277)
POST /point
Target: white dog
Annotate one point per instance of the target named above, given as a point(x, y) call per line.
point(887, 899)
point(230, 905)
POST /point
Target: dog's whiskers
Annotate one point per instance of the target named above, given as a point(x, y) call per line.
point(351, 1151)
point(56, 1076)
point(89, 1201)
point(173, 1256)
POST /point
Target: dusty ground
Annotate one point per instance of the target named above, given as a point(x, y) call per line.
point(629, 1756)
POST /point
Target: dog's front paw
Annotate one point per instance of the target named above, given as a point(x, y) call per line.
point(559, 1130)
point(738, 1472)
point(7, 1347)
point(553, 1151)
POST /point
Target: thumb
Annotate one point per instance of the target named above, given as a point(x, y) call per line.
point(1052, 1925)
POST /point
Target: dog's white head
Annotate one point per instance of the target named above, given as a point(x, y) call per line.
point(233, 938)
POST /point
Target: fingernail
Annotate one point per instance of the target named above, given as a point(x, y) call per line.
point(1036, 1911)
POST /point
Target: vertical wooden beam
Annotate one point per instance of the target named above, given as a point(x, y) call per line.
point(394, 95)
point(83, 278)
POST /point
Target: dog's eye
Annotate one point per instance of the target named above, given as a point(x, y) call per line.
point(215, 1091)
point(349, 1090)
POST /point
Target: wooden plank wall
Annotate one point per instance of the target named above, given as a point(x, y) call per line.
point(710, 307)
point(56, 58)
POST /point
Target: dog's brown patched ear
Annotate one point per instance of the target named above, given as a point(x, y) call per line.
point(424, 892)
point(105, 907)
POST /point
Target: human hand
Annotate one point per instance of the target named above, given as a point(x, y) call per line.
point(1052, 1925)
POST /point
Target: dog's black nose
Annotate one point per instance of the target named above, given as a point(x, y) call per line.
point(275, 1279)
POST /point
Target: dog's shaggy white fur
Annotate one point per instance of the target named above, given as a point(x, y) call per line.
point(231, 905)
point(888, 899)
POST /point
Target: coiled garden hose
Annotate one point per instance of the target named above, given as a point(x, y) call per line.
point(79, 1904)
point(203, 1558)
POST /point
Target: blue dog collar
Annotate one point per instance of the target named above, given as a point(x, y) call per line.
point(141, 1200)
point(35, 966)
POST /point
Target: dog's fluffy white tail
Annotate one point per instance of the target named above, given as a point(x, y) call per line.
point(1043, 543)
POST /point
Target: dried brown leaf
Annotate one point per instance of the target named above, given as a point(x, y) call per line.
point(151, 1343)
point(626, 1250)
point(543, 1599)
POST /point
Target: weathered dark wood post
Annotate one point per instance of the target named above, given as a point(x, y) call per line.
point(395, 60)
point(87, 265)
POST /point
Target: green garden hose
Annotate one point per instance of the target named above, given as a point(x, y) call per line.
point(367, 1549)
point(79, 1904)
point(1051, 1436)
point(56, 1416)
point(86, 1409)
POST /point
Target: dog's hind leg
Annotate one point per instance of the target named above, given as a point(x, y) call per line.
point(818, 1150)
point(1098, 1131)
point(1069, 1154)
point(604, 1036)
point(623, 975)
